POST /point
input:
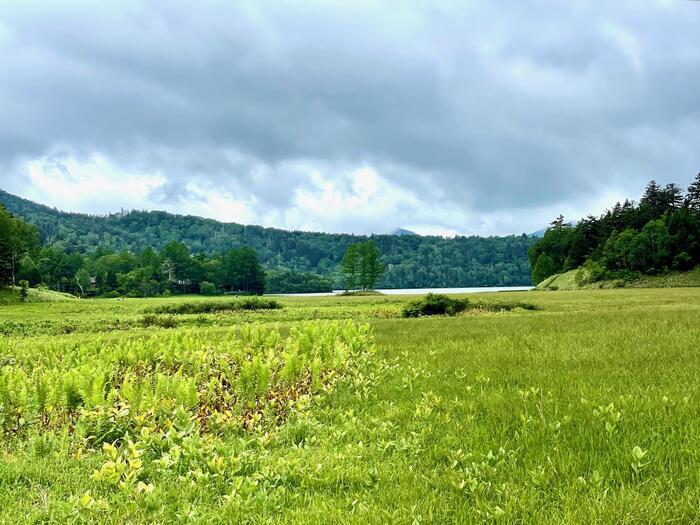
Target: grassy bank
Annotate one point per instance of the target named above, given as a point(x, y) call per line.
point(567, 281)
point(10, 295)
point(581, 411)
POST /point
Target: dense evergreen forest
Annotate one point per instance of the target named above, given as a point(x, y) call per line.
point(659, 233)
point(293, 260)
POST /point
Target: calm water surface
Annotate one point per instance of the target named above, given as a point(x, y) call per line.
point(423, 291)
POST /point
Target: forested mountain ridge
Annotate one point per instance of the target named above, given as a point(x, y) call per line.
point(412, 260)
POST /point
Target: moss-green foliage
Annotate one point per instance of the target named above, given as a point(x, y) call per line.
point(207, 307)
point(583, 411)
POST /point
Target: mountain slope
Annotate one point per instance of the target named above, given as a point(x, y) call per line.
point(412, 260)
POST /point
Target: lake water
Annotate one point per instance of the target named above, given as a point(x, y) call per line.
point(423, 291)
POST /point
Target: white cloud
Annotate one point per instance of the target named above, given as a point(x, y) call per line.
point(463, 117)
point(94, 184)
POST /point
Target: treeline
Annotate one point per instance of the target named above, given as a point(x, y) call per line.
point(411, 261)
point(17, 239)
point(288, 281)
point(173, 270)
point(659, 233)
point(106, 273)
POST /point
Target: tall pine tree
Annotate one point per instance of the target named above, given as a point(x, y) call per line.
point(351, 265)
point(362, 266)
point(692, 197)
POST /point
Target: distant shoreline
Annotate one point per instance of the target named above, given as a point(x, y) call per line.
point(419, 291)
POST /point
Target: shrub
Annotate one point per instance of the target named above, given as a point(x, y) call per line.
point(502, 306)
point(544, 267)
point(591, 272)
point(435, 304)
point(683, 262)
point(113, 294)
point(205, 307)
point(438, 304)
point(207, 288)
point(23, 290)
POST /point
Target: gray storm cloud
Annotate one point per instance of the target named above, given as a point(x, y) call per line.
point(512, 110)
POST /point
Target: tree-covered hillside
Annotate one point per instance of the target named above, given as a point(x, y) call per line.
point(659, 233)
point(411, 260)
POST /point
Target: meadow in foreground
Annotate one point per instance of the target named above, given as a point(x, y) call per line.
point(584, 410)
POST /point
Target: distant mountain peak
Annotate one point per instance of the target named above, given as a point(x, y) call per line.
point(401, 231)
point(539, 233)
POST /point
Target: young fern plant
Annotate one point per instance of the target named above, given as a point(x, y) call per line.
point(109, 388)
point(246, 385)
point(293, 367)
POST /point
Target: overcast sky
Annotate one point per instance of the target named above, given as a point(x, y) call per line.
point(440, 117)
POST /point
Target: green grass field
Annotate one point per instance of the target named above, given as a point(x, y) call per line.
point(336, 410)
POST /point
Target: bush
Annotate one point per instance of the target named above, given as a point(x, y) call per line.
point(134, 294)
point(206, 307)
point(207, 288)
point(113, 294)
point(683, 262)
point(438, 304)
point(435, 304)
point(502, 306)
point(591, 272)
point(23, 290)
point(544, 267)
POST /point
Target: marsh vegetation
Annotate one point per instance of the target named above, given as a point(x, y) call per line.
point(337, 409)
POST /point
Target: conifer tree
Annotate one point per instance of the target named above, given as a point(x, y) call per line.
point(351, 263)
point(692, 198)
